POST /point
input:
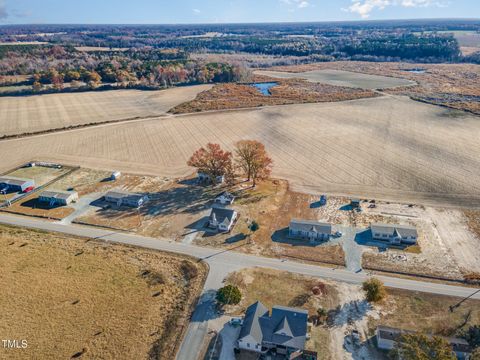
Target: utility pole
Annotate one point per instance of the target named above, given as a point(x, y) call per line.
point(453, 307)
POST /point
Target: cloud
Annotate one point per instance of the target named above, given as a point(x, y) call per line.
point(3, 10)
point(365, 7)
point(301, 4)
point(196, 11)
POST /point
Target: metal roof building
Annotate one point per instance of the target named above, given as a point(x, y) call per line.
point(16, 184)
point(58, 197)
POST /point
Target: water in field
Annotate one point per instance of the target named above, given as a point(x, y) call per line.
point(264, 88)
point(416, 71)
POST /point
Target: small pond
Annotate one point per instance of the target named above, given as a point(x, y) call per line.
point(416, 71)
point(264, 88)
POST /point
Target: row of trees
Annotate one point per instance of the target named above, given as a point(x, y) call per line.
point(249, 157)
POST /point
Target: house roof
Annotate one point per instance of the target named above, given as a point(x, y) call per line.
point(119, 195)
point(58, 194)
point(285, 326)
point(227, 195)
point(251, 324)
point(14, 180)
point(311, 225)
point(222, 215)
point(402, 230)
point(389, 333)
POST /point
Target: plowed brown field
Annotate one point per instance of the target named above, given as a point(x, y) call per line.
point(27, 114)
point(388, 148)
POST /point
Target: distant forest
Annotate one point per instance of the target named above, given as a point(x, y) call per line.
point(161, 56)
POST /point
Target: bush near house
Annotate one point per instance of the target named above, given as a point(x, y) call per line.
point(229, 295)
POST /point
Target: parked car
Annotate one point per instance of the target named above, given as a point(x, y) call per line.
point(338, 234)
point(236, 321)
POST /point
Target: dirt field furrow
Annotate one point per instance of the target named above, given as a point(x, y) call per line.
point(26, 114)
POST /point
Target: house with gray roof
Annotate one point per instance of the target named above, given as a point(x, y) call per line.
point(222, 219)
point(123, 198)
point(388, 337)
point(283, 331)
point(58, 197)
point(394, 234)
point(311, 230)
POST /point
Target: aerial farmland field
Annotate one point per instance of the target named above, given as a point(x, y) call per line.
point(27, 114)
point(390, 147)
point(342, 78)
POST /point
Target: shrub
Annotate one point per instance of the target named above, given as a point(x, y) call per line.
point(229, 295)
point(254, 226)
point(374, 290)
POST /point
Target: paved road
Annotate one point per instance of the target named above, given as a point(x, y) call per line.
point(221, 263)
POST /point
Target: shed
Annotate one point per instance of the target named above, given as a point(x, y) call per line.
point(14, 184)
point(123, 198)
point(225, 198)
point(115, 175)
point(58, 197)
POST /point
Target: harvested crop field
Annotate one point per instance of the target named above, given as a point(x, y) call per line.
point(385, 148)
point(37, 113)
point(451, 85)
point(74, 298)
point(341, 78)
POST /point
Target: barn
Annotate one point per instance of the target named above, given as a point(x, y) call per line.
point(58, 197)
point(123, 198)
point(14, 184)
point(310, 230)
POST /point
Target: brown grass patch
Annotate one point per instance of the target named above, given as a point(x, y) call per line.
point(451, 85)
point(289, 91)
point(427, 313)
point(102, 300)
point(473, 221)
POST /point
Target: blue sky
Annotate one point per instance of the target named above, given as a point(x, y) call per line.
point(215, 11)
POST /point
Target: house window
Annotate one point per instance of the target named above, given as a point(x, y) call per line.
point(248, 344)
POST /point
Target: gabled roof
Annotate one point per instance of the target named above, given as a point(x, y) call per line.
point(119, 195)
point(311, 225)
point(285, 326)
point(57, 194)
point(14, 180)
point(402, 230)
point(222, 214)
point(251, 324)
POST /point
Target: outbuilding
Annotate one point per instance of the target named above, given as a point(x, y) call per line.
point(394, 234)
point(14, 184)
point(58, 197)
point(311, 230)
point(123, 198)
point(225, 198)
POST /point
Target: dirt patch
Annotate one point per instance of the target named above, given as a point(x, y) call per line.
point(288, 91)
point(91, 295)
point(426, 313)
